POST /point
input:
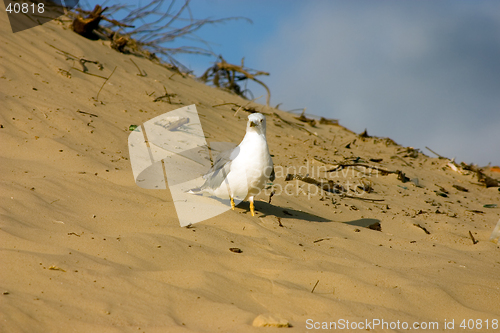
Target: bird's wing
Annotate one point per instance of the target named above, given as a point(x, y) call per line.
point(221, 168)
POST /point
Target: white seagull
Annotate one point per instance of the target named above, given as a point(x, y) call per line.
point(242, 172)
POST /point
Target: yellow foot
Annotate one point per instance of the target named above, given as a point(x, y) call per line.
point(232, 204)
point(252, 208)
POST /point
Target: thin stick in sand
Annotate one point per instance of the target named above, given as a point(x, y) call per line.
point(312, 291)
point(97, 98)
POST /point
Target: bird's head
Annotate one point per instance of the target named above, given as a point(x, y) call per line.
point(257, 123)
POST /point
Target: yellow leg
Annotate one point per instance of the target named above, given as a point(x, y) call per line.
point(232, 203)
point(252, 208)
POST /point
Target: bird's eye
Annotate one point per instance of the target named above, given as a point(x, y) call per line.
point(261, 120)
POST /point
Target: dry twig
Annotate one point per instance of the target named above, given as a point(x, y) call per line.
point(166, 95)
point(166, 22)
point(140, 72)
point(312, 291)
point(87, 113)
point(304, 119)
point(325, 121)
point(97, 98)
point(439, 156)
point(226, 75)
point(423, 228)
point(474, 241)
point(294, 125)
point(81, 61)
point(401, 176)
point(328, 186)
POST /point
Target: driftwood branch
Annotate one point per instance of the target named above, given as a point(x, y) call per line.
point(401, 176)
point(464, 168)
point(481, 176)
point(92, 13)
point(86, 26)
point(226, 75)
point(154, 26)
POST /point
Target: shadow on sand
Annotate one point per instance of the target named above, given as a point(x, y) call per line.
point(271, 210)
point(365, 223)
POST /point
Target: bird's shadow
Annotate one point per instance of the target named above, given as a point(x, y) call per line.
point(364, 222)
point(267, 209)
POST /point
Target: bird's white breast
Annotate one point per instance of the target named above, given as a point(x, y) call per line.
point(249, 171)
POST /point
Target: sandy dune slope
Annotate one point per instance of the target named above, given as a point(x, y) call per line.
point(84, 249)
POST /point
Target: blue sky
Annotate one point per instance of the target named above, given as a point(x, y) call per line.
point(424, 73)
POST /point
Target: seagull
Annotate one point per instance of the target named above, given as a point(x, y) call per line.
point(242, 172)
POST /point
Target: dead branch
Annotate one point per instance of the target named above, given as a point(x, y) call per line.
point(294, 125)
point(246, 108)
point(474, 241)
point(439, 156)
point(97, 98)
point(312, 291)
point(401, 176)
point(382, 171)
point(323, 161)
point(99, 76)
point(87, 113)
point(364, 134)
point(81, 61)
point(166, 95)
point(481, 176)
point(119, 42)
point(328, 186)
point(361, 198)
point(86, 26)
point(304, 119)
point(399, 158)
point(486, 180)
point(167, 21)
point(423, 228)
point(140, 72)
point(460, 188)
point(268, 98)
point(229, 103)
point(325, 121)
point(226, 75)
point(105, 18)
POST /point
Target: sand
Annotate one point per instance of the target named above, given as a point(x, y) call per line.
point(84, 249)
